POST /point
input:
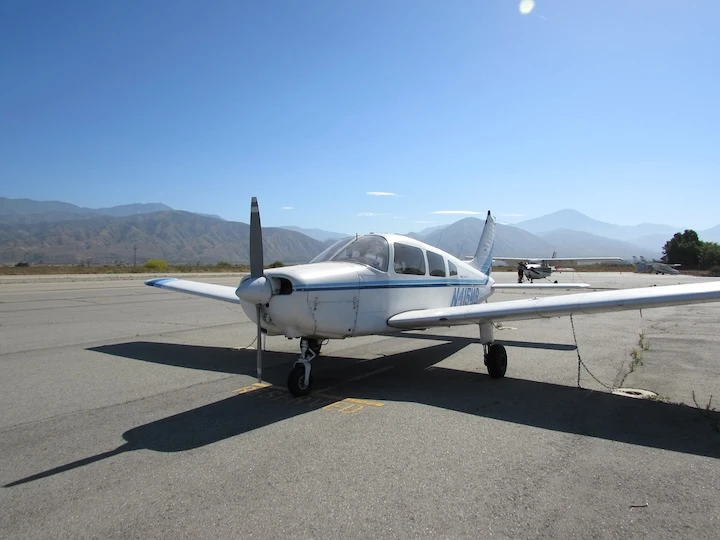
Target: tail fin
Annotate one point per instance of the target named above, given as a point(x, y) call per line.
point(635, 261)
point(483, 256)
point(642, 259)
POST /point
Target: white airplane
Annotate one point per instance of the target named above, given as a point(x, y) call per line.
point(644, 266)
point(539, 268)
point(382, 283)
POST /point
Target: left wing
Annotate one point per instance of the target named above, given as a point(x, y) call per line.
point(556, 306)
point(207, 290)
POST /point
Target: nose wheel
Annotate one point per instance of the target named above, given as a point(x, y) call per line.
point(300, 380)
point(297, 385)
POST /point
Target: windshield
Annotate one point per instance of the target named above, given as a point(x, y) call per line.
point(327, 254)
point(370, 250)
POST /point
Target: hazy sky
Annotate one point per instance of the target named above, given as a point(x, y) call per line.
point(325, 109)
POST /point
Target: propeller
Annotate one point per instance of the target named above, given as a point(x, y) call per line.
point(256, 289)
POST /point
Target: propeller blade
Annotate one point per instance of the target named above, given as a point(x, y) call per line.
point(258, 313)
point(256, 244)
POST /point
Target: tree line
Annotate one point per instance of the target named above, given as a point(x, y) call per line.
point(687, 249)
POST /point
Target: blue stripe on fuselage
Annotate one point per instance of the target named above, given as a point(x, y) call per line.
point(393, 284)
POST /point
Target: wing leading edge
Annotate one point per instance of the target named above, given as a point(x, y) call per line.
point(540, 286)
point(207, 290)
point(557, 306)
point(557, 259)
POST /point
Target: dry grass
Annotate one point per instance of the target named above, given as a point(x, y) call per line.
point(37, 270)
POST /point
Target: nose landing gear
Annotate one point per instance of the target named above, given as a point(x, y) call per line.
point(300, 380)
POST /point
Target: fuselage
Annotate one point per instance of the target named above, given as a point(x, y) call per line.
point(537, 271)
point(353, 290)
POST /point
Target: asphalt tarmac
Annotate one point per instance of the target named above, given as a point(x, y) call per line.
point(131, 412)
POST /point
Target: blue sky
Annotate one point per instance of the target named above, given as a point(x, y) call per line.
point(608, 107)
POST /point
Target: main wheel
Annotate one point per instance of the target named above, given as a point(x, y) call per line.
point(296, 381)
point(496, 361)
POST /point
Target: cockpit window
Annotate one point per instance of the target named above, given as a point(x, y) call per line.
point(369, 249)
point(328, 253)
point(409, 260)
point(436, 262)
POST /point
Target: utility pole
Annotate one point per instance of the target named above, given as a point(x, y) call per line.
point(134, 254)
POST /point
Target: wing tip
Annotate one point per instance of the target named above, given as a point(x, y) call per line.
point(159, 282)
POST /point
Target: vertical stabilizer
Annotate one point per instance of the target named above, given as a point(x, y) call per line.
point(483, 256)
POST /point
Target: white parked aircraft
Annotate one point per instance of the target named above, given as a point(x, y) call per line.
point(538, 268)
point(648, 267)
point(382, 283)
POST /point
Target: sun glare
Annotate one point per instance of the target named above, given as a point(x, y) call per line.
point(526, 6)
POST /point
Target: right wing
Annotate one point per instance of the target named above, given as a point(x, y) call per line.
point(527, 286)
point(207, 290)
point(557, 259)
point(556, 306)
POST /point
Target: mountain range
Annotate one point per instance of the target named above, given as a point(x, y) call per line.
point(61, 233)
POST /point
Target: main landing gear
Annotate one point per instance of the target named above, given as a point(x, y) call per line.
point(495, 360)
point(495, 355)
point(300, 380)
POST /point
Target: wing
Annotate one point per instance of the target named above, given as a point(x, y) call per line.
point(556, 306)
point(540, 286)
point(557, 259)
point(516, 259)
point(207, 290)
point(582, 259)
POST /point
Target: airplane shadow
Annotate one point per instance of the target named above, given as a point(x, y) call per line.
point(506, 342)
point(414, 378)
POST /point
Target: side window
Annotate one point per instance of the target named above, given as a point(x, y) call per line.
point(436, 264)
point(409, 260)
point(453, 269)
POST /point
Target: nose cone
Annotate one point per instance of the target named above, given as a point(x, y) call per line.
point(255, 290)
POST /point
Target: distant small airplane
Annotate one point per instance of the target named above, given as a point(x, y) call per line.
point(539, 268)
point(381, 283)
point(657, 267)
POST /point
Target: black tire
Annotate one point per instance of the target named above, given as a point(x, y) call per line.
point(496, 361)
point(296, 382)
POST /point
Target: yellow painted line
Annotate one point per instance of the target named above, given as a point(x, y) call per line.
point(251, 388)
point(365, 402)
point(344, 408)
point(341, 399)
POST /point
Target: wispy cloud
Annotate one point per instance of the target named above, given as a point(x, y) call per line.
point(382, 194)
point(288, 208)
point(398, 217)
point(424, 222)
point(369, 214)
point(459, 212)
